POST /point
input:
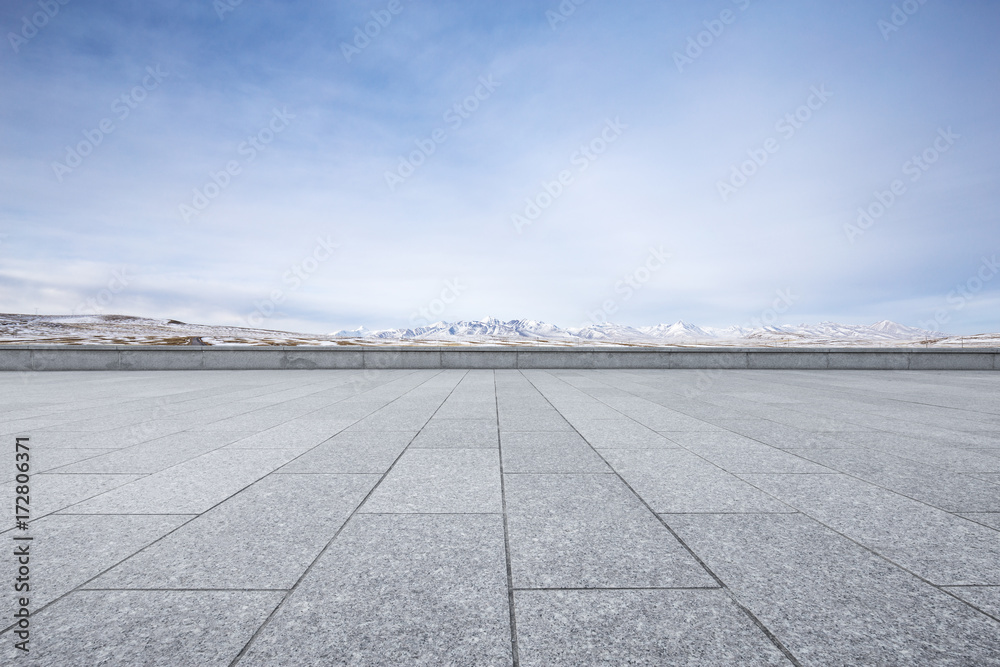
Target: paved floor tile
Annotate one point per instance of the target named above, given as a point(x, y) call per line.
point(190, 487)
point(66, 551)
point(155, 628)
point(532, 420)
point(621, 434)
point(831, 602)
point(441, 597)
point(549, 451)
point(263, 537)
point(991, 519)
point(52, 460)
point(126, 434)
point(782, 436)
point(353, 452)
point(155, 455)
point(925, 430)
point(989, 477)
point(590, 531)
point(736, 453)
point(394, 418)
point(984, 598)
point(54, 440)
point(51, 492)
point(813, 422)
point(296, 434)
point(440, 480)
point(638, 627)
point(851, 517)
point(462, 409)
point(244, 422)
point(939, 546)
point(929, 452)
point(662, 420)
point(673, 480)
point(950, 491)
point(458, 433)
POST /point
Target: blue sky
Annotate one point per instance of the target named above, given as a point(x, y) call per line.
point(240, 173)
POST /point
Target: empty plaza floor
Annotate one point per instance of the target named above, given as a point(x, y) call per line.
point(480, 517)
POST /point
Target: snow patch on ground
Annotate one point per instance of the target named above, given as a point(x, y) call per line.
point(126, 330)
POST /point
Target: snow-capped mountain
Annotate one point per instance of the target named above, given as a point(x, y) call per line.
point(606, 332)
point(678, 329)
point(678, 332)
point(881, 331)
point(489, 327)
point(126, 330)
point(99, 329)
point(894, 329)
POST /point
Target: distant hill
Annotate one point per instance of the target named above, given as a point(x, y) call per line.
point(126, 330)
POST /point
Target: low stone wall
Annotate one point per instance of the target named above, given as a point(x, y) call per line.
point(162, 357)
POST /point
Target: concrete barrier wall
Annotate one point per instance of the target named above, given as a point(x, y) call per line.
point(144, 358)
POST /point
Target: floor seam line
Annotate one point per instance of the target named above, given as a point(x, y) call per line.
point(260, 628)
point(760, 625)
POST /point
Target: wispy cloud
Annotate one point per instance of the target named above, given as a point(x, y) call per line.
point(354, 118)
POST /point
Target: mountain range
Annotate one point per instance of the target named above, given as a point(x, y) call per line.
point(104, 329)
point(680, 331)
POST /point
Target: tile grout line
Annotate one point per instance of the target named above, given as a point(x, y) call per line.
point(383, 384)
point(165, 535)
point(291, 591)
point(515, 652)
point(679, 446)
point(811, 414)
point(159, 539)
point(623, 588)
point(277, 471)
point(80, 586)
point(804, 457)
point(637, 391)
point(722, 585)
point(871, 550)
point(56, 512)
point(837, 471)
point(187, 590)
point(143, 475)
point(346, 381)
point(169, 419)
